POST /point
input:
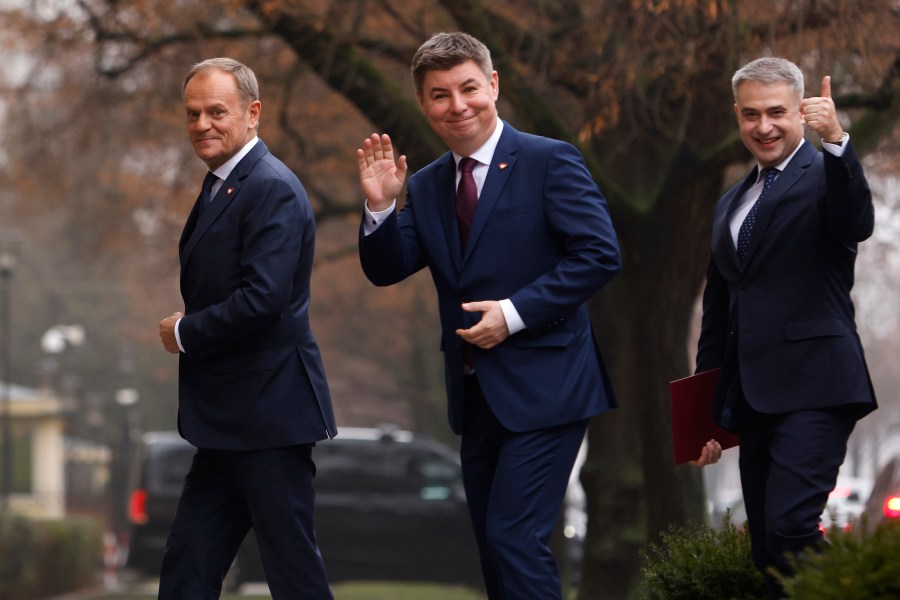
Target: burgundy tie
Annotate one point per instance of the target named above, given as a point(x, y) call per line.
point(466, 199)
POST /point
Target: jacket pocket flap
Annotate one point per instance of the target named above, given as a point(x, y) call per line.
point(812, 328)
point(556, 338)
point(259, 360)
point(506, 213)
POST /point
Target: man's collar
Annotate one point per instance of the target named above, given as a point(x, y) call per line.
point(783, 164)
point(228, 166)
point(484, 154)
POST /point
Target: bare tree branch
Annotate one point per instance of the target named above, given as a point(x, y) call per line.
point(348, 71)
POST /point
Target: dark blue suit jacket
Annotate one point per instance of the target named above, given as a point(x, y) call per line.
point(542, 237)
point(784, 323)
point(251, 376)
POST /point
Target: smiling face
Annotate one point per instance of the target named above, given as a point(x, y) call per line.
point(770, 120)
point(461, 105)
point(219, 121)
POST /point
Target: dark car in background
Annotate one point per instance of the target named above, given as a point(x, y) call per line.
point(884, 501)
point(161, 461)
point(389, 505)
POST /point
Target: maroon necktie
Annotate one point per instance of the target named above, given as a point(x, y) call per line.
point(466, 199)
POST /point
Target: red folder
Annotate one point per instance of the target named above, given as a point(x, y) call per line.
point(692, 420)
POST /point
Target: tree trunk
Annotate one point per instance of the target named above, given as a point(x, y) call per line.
point(642, 321)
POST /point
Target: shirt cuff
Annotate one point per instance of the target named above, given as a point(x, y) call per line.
point(836, 149)
point(178, 337)
point(514, 322)
point(375, 219)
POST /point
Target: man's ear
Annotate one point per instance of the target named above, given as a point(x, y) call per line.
point(255, 109)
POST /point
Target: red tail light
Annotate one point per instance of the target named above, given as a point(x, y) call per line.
point(137, 507)
point(892, 507)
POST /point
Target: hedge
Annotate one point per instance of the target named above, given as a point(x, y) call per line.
point(42, 558)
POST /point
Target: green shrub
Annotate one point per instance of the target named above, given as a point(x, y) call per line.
point(856, 565)
point(699, 563)
point(41, 558)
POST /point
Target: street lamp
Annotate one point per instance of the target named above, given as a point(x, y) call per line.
point(58, 337)
point(8, 257)
point(126, 398)
point(54, 342)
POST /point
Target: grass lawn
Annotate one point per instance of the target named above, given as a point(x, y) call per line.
point(410, 591)
point(356, 591)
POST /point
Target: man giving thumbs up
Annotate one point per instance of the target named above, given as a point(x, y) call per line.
point(777, 313)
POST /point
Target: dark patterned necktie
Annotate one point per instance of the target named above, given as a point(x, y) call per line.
point(466, 199)
point(743, 242)
point(206, 191)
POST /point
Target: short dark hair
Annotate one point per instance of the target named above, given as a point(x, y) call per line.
point(444, 51)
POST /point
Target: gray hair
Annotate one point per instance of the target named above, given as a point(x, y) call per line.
point(770, 70)
point(248, 88)
point(444, 51)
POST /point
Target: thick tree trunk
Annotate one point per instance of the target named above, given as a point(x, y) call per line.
point(642, 320)
point(633, 489)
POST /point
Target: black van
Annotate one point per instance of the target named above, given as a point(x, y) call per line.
point(389, 505)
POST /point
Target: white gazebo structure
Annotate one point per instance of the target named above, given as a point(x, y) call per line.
point(36, 417)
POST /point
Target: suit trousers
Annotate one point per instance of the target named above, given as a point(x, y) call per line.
point(789, 464)
point(515, 486)
point(225, 494)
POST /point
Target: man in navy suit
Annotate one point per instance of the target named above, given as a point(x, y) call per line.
point(252, 391)
point(777, 313)
point(523, 369)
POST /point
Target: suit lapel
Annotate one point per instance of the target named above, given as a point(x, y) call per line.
point(785, 181)
point(725, 243)
point(502, 165)
point(196, 224)
point(189, 227)
point(446, 203)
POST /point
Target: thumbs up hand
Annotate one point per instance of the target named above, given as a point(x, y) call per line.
point(821, 115)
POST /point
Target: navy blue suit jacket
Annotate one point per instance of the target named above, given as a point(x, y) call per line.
point(251, 376)
point(784, 323)
point(542, 237)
